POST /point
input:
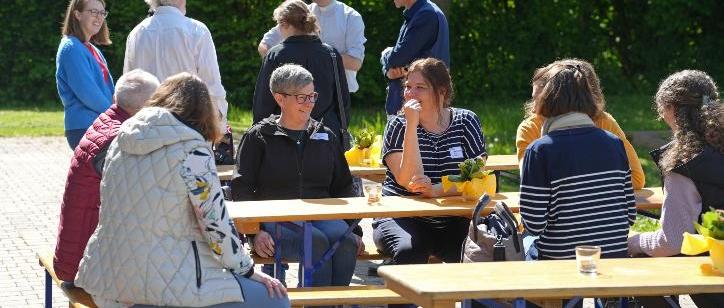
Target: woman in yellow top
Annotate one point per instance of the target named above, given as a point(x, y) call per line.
point(530, 129)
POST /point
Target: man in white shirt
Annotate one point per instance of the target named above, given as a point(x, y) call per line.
point(341, 27)
point(168, 43)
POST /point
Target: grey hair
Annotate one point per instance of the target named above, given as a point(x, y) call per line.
point(134, 88)
point(289, 77)
point(156, 3)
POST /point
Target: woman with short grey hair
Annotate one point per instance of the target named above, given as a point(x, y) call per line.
point(292, 156)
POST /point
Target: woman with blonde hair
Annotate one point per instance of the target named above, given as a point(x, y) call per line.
point(85, 84)
point(530, 129)
point(163, 222)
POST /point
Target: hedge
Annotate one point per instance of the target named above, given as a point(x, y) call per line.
point(495, 45)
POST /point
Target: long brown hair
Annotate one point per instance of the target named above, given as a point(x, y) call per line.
point(296, 14)
point(694, 99)
point(71, 25)
point(542, 74)
point(435, 72)
point(187, 97)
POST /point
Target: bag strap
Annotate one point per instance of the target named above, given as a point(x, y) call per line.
point(342, 112)
point(504, 211)
point(482, 202)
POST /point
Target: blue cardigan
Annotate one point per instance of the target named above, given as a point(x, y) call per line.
point(81, 87)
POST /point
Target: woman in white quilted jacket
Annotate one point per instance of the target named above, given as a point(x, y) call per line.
point(164, 237)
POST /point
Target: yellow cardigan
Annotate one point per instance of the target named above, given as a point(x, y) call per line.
point(530, 130)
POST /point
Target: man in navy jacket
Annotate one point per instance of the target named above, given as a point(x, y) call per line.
point(423, 34)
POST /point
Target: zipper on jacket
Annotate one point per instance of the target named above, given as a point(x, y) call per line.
point(198, 264)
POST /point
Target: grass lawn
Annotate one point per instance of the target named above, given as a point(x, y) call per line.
point(499, 118)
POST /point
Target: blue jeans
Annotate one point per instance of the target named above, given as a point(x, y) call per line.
point(73, 137)
point(255, 295)
point(339, 269)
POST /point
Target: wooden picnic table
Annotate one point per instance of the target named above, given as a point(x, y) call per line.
point(254, 212)
point(377, 174)
point(441, 285)
point(248, 215)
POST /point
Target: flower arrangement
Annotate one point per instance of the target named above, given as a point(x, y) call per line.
point(710, 238)
point(473, 181)
point(367, 150)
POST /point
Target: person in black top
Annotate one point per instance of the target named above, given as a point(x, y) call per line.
point(291, 156)
point(302, 46)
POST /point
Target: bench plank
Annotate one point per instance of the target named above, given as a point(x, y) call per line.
point(77, 297)
point(352, 295)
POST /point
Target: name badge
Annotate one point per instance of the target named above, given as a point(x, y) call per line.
point(456, 152)
point(320, 136)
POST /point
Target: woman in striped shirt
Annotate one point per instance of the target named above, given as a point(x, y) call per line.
point(421, 145)
point(575, 180)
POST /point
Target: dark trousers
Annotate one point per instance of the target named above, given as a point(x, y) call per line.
point(413, 241)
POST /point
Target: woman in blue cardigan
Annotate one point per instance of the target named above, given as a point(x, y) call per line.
point(85, 85)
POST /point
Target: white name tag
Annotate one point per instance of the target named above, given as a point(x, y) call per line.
point(456, 152)
point(320, 136)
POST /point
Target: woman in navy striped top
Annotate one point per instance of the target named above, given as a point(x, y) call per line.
point(575, 180)
point(420, 146)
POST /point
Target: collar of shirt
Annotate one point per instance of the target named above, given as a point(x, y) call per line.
point(302, 38)
point(408, 13)
point(167, 9)
point(329, 8)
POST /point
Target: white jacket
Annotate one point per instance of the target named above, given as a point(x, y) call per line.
point(148, 247)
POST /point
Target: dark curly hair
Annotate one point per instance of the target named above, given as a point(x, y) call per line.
point(694, 99)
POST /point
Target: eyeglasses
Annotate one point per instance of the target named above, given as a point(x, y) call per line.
point(95, 13)
point(303, 98)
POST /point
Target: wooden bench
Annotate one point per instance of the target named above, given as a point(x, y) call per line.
point(77, 297)
point(299, 297)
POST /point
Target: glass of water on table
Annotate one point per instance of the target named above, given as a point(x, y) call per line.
point(587, 259)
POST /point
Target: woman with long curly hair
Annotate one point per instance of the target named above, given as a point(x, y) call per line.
point(692, 164)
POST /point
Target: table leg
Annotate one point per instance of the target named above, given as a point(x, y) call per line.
point(497, 180)
point(48, 290)
point(307, 256)
point(278, 251)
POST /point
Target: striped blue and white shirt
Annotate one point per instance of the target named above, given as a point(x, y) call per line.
point(440, 153)
point(576, 190)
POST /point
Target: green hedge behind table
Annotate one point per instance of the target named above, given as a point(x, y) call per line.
point(495, 45)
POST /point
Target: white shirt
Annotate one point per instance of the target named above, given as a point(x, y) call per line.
point(169, 43)
point(341, 27)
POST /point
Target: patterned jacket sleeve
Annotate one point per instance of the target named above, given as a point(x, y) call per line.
point(204, 190)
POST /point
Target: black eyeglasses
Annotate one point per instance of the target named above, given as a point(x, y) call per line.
point(303, 98)
point(95, 13)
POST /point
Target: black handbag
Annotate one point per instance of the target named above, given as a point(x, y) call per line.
point(347, 139)
point(494, 237)
point(224, 150)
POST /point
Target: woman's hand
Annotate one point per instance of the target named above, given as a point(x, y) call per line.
point(360, 244)
point(411, 110)
point(421, 184)
point(273, 285)
point(264, 244)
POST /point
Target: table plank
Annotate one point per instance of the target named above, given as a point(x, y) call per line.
point(428, 284)
point(390, 206)
point(377, 174)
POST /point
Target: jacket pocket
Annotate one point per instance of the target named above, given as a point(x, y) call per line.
point(198, 264)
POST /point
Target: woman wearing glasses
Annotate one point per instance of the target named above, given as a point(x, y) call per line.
point(291, 156)
point(302, 46)
point(85, 84)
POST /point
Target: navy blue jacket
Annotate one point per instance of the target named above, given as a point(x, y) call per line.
point(423, 34)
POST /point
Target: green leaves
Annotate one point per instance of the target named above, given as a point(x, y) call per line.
point(712, 224)
point(471, 168)
point(364, 138)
